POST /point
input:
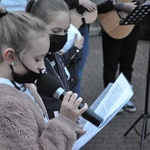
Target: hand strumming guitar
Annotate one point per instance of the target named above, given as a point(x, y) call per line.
point(90, 6)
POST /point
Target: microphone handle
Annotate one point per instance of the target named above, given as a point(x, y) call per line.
point(89, 114)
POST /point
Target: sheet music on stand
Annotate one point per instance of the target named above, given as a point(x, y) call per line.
point(137, 15)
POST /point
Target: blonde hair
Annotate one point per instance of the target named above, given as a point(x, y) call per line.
point(17, 29)
point(47, 9)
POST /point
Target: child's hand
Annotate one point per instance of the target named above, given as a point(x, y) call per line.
point(69, 106)
point(80, 131)
point(78, 41)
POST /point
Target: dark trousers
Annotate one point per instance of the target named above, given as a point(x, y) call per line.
point(119, 53)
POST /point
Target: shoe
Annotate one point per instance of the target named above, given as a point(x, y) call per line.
point(120, 111)
point(129, 106)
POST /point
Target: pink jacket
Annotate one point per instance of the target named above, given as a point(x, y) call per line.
point(22, 125)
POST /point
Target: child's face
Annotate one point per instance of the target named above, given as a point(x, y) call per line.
point(59, 25)
point(33, 59)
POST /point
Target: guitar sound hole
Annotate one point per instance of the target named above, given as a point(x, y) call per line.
point(81, 9)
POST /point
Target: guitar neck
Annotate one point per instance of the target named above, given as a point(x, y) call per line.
point(98, 2)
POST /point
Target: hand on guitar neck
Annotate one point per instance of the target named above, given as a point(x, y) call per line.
point(129, 7)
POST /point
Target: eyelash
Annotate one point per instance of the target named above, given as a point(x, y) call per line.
point(55, 32)
point(37, 60)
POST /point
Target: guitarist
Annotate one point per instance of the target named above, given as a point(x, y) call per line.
point(120, 53)
point(81, 5)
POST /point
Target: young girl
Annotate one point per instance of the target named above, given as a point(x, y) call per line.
point(56, 15)
point(24, 123)
point(71, 54)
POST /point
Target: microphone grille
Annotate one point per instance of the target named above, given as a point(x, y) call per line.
point(47, 84)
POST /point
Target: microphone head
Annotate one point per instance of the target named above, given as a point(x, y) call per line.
point(47, 84)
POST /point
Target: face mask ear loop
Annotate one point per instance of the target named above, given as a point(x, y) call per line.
point(13, 82)
point(12, 64)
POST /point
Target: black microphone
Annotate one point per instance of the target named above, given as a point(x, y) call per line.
point(51, 87)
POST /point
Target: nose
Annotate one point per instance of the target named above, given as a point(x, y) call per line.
point(42, 66)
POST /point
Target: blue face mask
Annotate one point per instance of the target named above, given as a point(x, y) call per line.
point(57, 42)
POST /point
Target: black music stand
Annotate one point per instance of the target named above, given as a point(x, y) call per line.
point(145, 116)
point(135, 17)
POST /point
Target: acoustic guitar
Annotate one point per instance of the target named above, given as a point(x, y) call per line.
point(81, 16)
point(110, 22)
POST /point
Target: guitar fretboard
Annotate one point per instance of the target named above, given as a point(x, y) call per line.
point(98, 2)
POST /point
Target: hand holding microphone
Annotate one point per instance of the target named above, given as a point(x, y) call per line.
point(69, 106)
point(51, 87)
